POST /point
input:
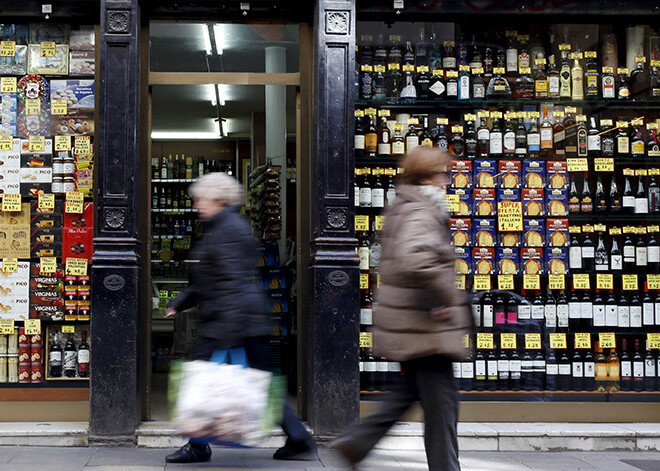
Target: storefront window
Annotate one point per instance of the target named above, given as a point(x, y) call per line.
point(554, 195)
point(47, 184)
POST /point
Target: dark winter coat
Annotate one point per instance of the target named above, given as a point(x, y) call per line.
point(231, 306)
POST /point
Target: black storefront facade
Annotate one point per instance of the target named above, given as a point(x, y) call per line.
point(329, 379)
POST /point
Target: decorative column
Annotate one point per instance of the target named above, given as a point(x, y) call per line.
point(115, 391)
point(332, 324)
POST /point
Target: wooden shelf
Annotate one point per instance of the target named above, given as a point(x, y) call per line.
point(26, 393)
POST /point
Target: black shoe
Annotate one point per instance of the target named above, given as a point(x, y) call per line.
point(190, 454)
point(305, 451)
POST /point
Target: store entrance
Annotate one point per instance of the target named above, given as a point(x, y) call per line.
point(205, 119)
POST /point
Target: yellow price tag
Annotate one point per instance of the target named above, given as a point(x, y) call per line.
point(9, 265)
point(48, 49)
point(604, 281)
point(570, 109)
point(532, 341)
point(590, 54)
point(653, 281)
point(630, 282)
point(532, 282)
point(33, 327)
point(459, 282)
point(583, 340)
point(484, 341)
point(607, 339)
point(74, 203)
point(58, 107)
point(453, 203)
point(641, 172)
point(364, 281)
point(32, 107)
point(378, 280)
point(6, 143)
point(37, 143)
point(482, 282)
point(6, 326)
point(383, 112)
point(11, 203)
point(576, 55)
point(359, 113)
point(47, 265)
point(509, 216)
point(588, 228)
point(600, 227)
point(361, 223)
point(557, 340)
point(466, 341)
point(379, 223)
point(508, 341)
point(653, 340)
point(615, 231)
point(8, 84)
point(464, 68)
point(62, 143)
point(499, 70)
point(652, 229)
point(370, 111)
point(46, 201)
point(654, 171)
point(76, 266)
point(443, 121)
point(603, 164)
point(470, 117)
point(457, 129)
point(83, 145)
point(556, 282)
point(581, 281)
point(505, 282)
point(7, 48)
point(68, 329)
point(577, 165)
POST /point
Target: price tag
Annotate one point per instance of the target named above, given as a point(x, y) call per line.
point(459, 282)
point(6, 143)
point(655, 63)
point(11, 203)
point(366, 68)
point(533, 114)
point(422, 69)
point(583, 340)
point(540, 61)
point(46, 201)
point(9, 265)
point(74, 204)
point(464, 68)
point(615, 231)
point(557, 340)
point(444, 121)
point(58, 107)
point(47, 265)
point(377, 280)
point(505, 282)
point(62, 143)
point(466, 341)
point(511, 33)
point(532, 341)
point(576, 55)
point(33, 327)
point(48, 49)
point(641, 59)
point(6, 326)
point(76, 266)
point(630, 282)
point(607, 339)
point(379, 223)
point(556, 282)
point(604, 281)
point(408, 68)
point(382, 113)
point(364, 281)
point(83, 145)
point(608, 70)
point(361, 223)
point(651, 126)
point(590, 54)
point(653, 281)
point(532, 282)
point(366, 340)
point(581, 281)
point(68, 329)
point(508, 341)
point(600, 227)
point(470, 117)
point(587, 228)
point(603, 164)
point(393, 66)
point(32, 107)
point(484, 341)
point(640, 172)
point(564, 47)
point(438, 73)
point(457, 129)
point(496, 114)
point(574, 230)
point(483, 114)
point(558, 114)
point(379, 68)
point(8, 84)
point(653, 340)
point(482, 283)
point(524, 71)
point(453, 203)
point(652, 229)
point(7, 48)
point(477, 70)
point(370, 112)
point(37, 143)
point(413, 121)
point(359, 113)
point(499, 70)
point(452, 74)
point(509, 216)
point(577, 165)
point(570, 109)
point(622, 70)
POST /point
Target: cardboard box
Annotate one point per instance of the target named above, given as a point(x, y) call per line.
point(533, 200)
point(509, 173)
point(556, 174)
point(15, 233)
point(557, 232)
point(533, 232)
point(557, 202)
point(461, 231)
point(461, 174)
point(483, 260)
point(508, 261)
point(556, 259)
point(485, 173)
point(464, 201)
point(463, 261)
point(534, 174)
point(484, 232)
point(484, 202)
point(532, 260)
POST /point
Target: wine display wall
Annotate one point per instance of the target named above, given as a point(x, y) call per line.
point(554, 196)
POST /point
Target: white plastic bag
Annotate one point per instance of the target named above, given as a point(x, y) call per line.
point(227, 402)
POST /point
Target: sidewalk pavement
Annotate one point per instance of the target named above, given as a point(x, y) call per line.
point(19, 458)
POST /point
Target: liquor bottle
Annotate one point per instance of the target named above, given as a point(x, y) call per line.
point(616, 203)
point(457, 143)
point(573, 197)
point(452, 84)
point(470, 141)
point(480, 371)
point(635, 312)
point(464, 82)
point(371, 139)
point(586, 198)
point(394, 373)
point(601, 196)
point(538, 313)
point(539, 371)
point(606, 138)
point(616, 258)
point(641, 198)
point(435, 51)
point(622, 88)
point(70, 358)
point(638, 369)
point(384, 145)
point(509, 139)
point(641, 254)
point(574, 311)
point(533, 139)
point(611, 312)
point(363, 251)
point(441, 140)
point(637, 145)
point(503, 371)
point(515, 371)
point(577, 85)
point(654, 196)
point(512, 57)
point(462, 51)
point(365, 192)
point(559, 135)
point(498, 86)
point(639, 80)
point(423, 80)
point(613, 372)
point(626, 368)
point(623, 312)
point(562, 313)
point(449, 55)
point(650, 377)
point(366, 82)
point(476, 310)
point(591, 76)
point(496, 137)
point(540, 80)
point(546, 136)
point(551, 370)
point(601, 375)
point(390, 194)
point(378, 193)
point(575, 254)
point(607, 83)
point(527, 371)
point(154, 198)
point(359, 141)
point(654, 83)
point(521, 140)
point(408, 92)
point(55, 358)
point(593, 139)
point(170, 167)
point(589, 383)
point(83, 356)
point(488, 63)
point(155, 168)
point(163, 169)
point(598, 312)
point(412, 138)
point(550, 313)
point(425, 138)
point(570, 140)
point(467, 372)
point(437, 85)
point(565, 372)
point(602, 256)
point(588, 254)
point(499, 311)
point(553, 79)
point(586, 311)
point(476, 61)
point(628, 204)
point(565, 76)
point(629, 265)
point(652, 144)
point(525, 311)
point(577, 372)
point(369, 371)
point(483, 140)
point(488, 312)
point(398, 143)
point(478, 84)
point(653, 253)
point(581, 136)
point(393, 75)
point(380, 67)
point(523, 87)
point(648, 311)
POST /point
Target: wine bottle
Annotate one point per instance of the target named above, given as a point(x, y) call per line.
point(626, 367)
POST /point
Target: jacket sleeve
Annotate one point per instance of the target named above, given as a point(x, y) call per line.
point(426, 256)
point(185, 300)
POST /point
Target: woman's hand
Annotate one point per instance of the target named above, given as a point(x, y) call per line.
point(171, 313)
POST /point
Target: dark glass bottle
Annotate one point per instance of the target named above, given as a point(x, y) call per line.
point(616, 257)
point(622, 88)
point(498, 86)
point(653, 253)
point(570, 140)
point(622, 141)
point(652, 144)
point(589, 382)
point(641, 197)
point(573, 197)
point(591, 87)
point(607, 139)
point(638, 368)
point(83, 357)
point(626, 367)
point(588, 254)
point(55, 358)
point(441, 140)
point(586, 198)
point(521, 140)
point(359, 138)
point(628, 200)
point(508, 139)
point(602, 259)
point(470, 141)
point(615, 196)
point(577, 369)
point(639, 82)
point(70, 358)
point(483, 140)
point(515, 371)
point(601, 196)
point(593, 139)
point(581, 136)
point(629, 263)
point(565, 373)
point(523, 87)
point(457, 144)
point(496, 138)
point(478, 84)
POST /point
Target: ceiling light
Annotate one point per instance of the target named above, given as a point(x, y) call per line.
point(220, 95)
point(207, 39)
point(217, 33)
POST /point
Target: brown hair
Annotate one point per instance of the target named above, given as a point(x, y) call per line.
point(421, 163)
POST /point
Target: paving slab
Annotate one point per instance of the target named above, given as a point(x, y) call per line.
point(52, 456)
point(128, 457)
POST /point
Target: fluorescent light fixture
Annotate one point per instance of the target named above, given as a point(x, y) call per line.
point(217, 33)
point(220, 95)
point(211, 94)
point(184, 136)
point(207, 39)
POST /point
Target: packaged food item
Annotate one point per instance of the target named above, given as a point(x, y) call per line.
point(557, 202)
point(509, 173)
point(508, 260)
point(485, 173)
point(461, 174)
point(533, 174)
point(557, 232)
point(532, 260)
point(464, 201)
point(483, 260)
point(556, 174)
point(463, 261)
point(556, 260)
point(461, 231)
point(533, 232)
point(484, 232)
point(484, 201)
point(533, 201)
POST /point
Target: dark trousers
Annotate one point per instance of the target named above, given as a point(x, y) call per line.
point(429, 380)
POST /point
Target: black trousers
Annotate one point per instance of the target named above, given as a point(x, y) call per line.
point(429, 380)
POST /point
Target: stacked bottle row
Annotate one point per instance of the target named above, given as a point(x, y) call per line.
point(182, 167)
point(170, 198)
point(516, 67)
point(552, 133)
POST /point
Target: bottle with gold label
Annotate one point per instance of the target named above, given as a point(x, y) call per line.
point(384, 144)
point(613, 371)
point(540, 81)
point(553, 79)
point(591, 76)
point(637, 147)
point(547, 141)
point(601, 369)
point(398, 144)
point(577, 84)
point(565, 76)
point(371, 138)
point(425, 138)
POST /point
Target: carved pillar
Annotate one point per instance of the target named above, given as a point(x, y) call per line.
point(333, 329)
point(115, 391)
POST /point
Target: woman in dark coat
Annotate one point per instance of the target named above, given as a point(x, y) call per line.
point(231, 306)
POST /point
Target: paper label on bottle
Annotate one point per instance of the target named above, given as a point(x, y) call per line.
point(623, 313)
point(524, 312)
point(484, 341)
point(583, 340)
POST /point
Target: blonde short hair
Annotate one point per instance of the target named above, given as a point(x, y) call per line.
point(218, 186)
point(422, 163)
